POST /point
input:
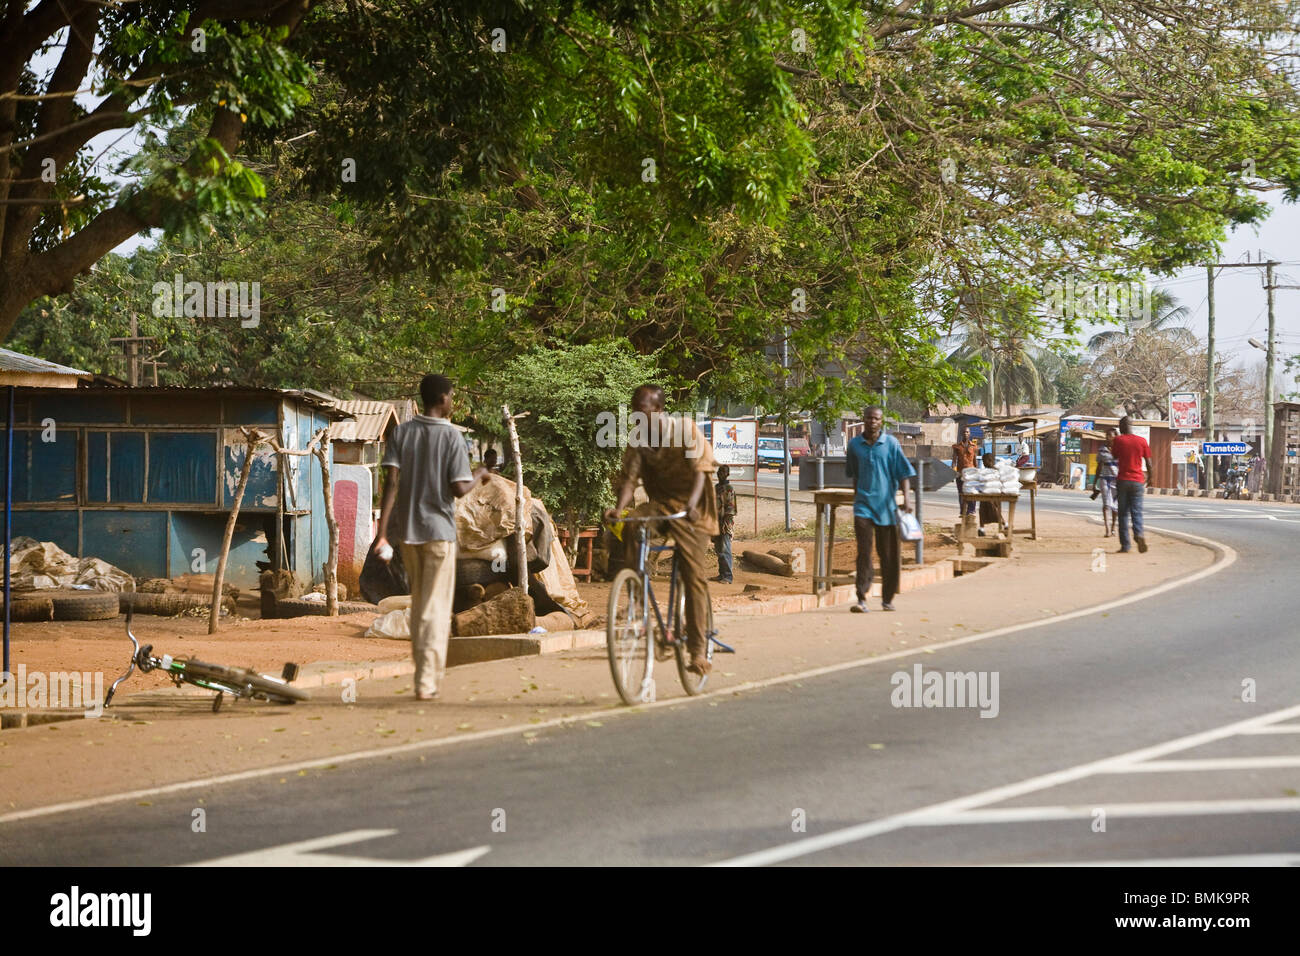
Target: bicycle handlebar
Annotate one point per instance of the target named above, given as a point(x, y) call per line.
point(672, 517)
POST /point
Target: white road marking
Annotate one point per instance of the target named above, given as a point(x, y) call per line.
point(1167, 808)
point(1278, 729)
point(1228, 557)
point(948, 808)
point(1217, 763)
point(300, 854)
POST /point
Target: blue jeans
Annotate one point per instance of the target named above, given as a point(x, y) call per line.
point(722, 544)
point(1130, 506)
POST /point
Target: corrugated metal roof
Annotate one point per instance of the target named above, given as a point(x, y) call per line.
point(20, 364)
point(370, 421)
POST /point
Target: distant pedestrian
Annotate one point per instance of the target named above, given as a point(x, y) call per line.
point(1131, 453)
point(1107, 474)
point(964, 455)
point(490, 461)
point(876, 465)
point(726, 493)
point(426, 468)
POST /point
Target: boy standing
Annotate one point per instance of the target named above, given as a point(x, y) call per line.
point(726, 523)
point(426, 468)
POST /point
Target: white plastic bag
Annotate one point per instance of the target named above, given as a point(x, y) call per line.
point(909, 529)
point(394, 624)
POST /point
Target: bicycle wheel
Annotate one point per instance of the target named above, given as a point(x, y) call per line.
point(628, 639)
point(692, 682)
point(248, 683)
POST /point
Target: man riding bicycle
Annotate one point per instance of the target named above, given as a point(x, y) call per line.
point(673, 460)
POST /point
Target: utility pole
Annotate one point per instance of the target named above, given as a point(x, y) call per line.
point(1268, 374)
point(1209, 384)
point(785, 430)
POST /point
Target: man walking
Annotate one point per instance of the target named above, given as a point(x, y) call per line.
point(1131, 453)
point(674, 464)
point(726, 523)
point(426, 469)
point(877, 467)
point(1107, 472)
point(964, 455)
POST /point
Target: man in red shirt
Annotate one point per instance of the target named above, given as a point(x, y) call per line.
point(1131, 452)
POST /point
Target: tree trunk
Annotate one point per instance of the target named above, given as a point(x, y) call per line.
point(520, 546)
point(322, 453)
point(219, 578)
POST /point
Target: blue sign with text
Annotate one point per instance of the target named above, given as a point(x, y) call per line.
point(1224, 448)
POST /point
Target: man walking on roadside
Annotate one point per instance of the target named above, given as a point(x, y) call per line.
point(1131, 453)
point(877, 467)
point(675, 465)
point(964, 455)
point(426, 469)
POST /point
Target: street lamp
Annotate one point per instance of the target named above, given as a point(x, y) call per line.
point(1268, 389)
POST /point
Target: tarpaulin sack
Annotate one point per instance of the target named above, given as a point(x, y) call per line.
point(381, 579)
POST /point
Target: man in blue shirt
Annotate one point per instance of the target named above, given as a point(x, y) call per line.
point(877, 467)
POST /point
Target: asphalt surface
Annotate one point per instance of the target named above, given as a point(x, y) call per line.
point(732, 778)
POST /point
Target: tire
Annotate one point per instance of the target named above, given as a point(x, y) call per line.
point(297, 607)
point(30, 607)
point(627, 637)
point(263, 687)
point(692, 683)
point(84, 605)
point(162, 604)
point(477, 571)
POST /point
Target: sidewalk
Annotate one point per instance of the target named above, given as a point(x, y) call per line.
point(154, 739)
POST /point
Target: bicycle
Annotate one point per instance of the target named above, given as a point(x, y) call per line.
point(238, 682)
point(629, 626)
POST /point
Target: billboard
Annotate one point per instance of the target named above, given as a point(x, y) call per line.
point(1184, 411)
point(1184, 452)
point(735, 441)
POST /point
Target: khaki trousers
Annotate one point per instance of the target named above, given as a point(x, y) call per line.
point(431, 571)
point(692, 553)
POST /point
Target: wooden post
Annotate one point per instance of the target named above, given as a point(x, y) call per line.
point(252, 440)
point(322, 452)
point(521, 549)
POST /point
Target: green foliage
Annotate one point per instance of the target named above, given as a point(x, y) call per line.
point(565, 393)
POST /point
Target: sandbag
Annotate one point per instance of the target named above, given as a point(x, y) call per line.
point(767, 563)
point(510, 612)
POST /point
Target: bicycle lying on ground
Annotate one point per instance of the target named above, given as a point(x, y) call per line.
point(238, 682)
point(629, 624)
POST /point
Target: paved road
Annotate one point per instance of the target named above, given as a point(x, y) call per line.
point(1089, 707)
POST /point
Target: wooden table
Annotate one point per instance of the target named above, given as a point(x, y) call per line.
point(826, 503)
point(1004, 525)
point(1032, 531)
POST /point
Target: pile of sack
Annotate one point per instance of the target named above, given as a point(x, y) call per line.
point(1002, 480)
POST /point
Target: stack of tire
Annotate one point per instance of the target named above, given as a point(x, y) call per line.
point(64, 605)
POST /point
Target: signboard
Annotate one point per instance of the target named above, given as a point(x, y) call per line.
point(1072, 444)
point(1184, 452)
point(1185, 410)
point(936, 473)
point(1224, 448)
point(735, 441)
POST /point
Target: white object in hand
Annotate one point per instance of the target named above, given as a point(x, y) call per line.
point(386, 552)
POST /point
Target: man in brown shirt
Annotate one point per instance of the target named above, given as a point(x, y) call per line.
point(964, 455)
point(675, 463)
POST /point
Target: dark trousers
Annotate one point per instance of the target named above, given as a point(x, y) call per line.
point(1129, 495)
point(886, 538)
point(722, 545)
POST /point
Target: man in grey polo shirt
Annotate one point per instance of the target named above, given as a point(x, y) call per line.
point(429, 455)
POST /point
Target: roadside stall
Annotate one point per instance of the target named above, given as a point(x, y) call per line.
point(1015, 471)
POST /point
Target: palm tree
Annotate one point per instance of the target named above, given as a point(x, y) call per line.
point(1167, 318)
